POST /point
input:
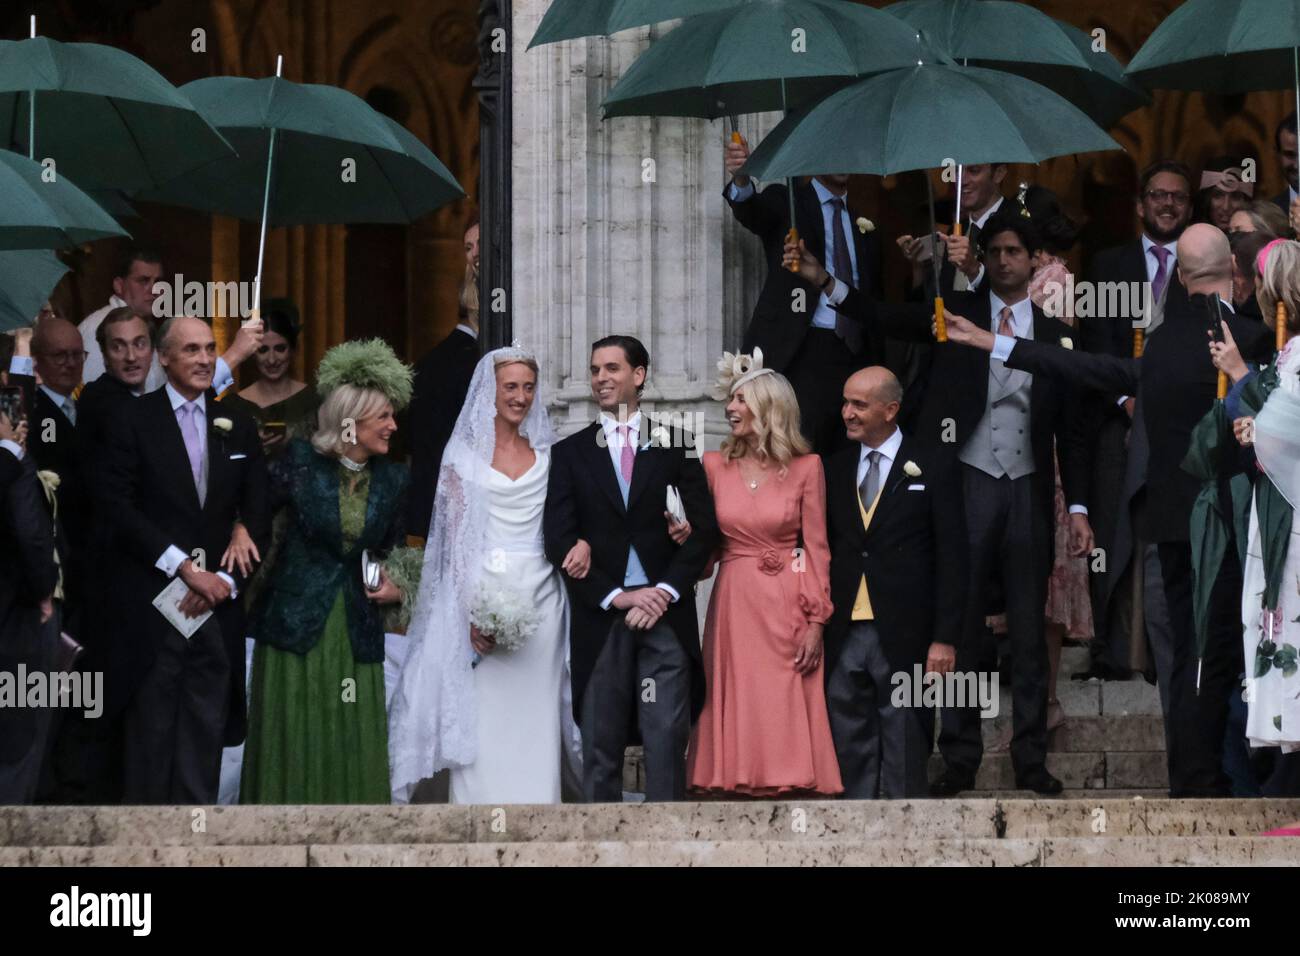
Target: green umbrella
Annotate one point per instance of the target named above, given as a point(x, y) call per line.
point(1224, 46)
point(308, 154)
point(571, 19)
point(41, 214)
point(1211, 446)
point(106, 118)
point(1016, 38)
point(747, 60)
point(924, 117)
point(27, 277)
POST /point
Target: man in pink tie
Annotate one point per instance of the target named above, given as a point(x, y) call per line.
point(1150, 262)
point(634, 634)
point(181, 470)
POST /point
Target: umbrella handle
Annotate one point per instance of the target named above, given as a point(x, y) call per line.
point(735, 136)
point(1279, 325)
point(1139, 341)
point(1223, 385)
point(956, 229)
point(940, 323)
point(793, 236)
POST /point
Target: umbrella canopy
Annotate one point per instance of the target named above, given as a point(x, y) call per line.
point(922, 118)
point(1016, 38)
point(106, 118)
point(319, 130)
point(27, 277)
point(745, 60)
point(1223, 46)
point(571, 19)
point(37, 214)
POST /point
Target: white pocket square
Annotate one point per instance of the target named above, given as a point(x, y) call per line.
point(916, 487)
point(237, 457)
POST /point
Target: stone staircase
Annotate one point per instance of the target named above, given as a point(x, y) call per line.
point(970, 832)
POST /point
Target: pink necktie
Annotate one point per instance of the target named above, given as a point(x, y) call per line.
point(1005, 327)
point(1162, 270)
point(629, 453)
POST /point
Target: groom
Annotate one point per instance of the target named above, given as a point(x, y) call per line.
point(634, 639)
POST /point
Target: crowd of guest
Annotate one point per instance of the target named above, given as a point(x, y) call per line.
point(1044, 473)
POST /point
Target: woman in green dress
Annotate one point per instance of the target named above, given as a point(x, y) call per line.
point(317, 726)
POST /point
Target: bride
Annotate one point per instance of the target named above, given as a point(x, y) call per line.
point(499, 719)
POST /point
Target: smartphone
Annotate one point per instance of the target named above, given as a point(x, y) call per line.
point(12, 405)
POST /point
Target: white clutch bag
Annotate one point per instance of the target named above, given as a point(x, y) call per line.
point(675, 505)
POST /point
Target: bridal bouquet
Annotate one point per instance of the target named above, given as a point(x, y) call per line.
point(504, 615)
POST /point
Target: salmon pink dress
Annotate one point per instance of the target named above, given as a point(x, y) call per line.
point(764, 730)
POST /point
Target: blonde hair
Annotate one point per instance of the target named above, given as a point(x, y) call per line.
point(777, 437)
point(469, 292)
point(346, 402)
point(501, 361)
point(1281, 281)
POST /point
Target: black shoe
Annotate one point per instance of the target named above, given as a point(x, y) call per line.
point(1101, 671)
point(951, 784)
point(1041, 782)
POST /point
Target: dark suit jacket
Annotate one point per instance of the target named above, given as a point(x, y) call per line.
point(1175, 385)
point(441, 381)
point(1283, 201)
point(27, 569)
point(913, 554)
point(956, 398)
point(147, 492)
point(776, 327)
point(583, 501)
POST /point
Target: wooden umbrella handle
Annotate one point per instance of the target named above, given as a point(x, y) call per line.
point(940, 324)
point(735, 136)
point(1139, 340)
point(1279, 325)
point(793, 236)
point(1223, 385)
point(956, 229)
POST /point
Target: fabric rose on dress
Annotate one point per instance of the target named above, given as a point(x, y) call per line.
point(770, 562)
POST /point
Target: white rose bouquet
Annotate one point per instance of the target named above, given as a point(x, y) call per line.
point(504, 615)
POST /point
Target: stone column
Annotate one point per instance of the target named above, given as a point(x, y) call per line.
point(619, 226)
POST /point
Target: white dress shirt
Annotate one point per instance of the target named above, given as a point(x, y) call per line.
point(614, 445)
point(987, 214)
point(12, 447)
point(63, 403)
point(888, 452)
point(172, 559)
point(1153, 263)
point(473, 333)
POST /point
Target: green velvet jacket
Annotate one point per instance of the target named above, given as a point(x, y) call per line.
point(290, 612)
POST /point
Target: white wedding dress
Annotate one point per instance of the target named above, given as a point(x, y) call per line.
point(520, 699)
point(504, 728)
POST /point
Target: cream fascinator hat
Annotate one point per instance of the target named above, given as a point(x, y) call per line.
point(735, 370)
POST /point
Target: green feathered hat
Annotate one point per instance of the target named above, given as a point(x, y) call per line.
point(371, 364)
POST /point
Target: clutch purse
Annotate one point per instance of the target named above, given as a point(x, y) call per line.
point(370, 572)
point(674, 505)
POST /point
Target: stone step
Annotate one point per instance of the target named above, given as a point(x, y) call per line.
point(1025, 851)
point(1082, 770)
point(24, 828)
point(1128, 733)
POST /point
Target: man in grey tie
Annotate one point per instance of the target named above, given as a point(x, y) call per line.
point(180, 472)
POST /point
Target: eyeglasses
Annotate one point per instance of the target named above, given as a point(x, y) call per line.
point(67, 357)
point(1164, 195)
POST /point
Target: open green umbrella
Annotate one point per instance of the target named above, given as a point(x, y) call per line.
point(106, 118)
point(925, 117)
point(27, 277)
point(764, 55)
point(39, 212)
point(308, 154)
point(1224, 46)
point(1016, 38)
point(571, 19)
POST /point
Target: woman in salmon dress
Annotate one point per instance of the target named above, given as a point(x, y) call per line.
point(764, 731)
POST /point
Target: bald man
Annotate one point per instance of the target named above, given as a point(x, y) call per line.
point(180, 472)
point(898, 584)
point(1175, 384)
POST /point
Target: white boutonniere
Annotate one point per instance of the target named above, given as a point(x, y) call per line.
point(865, 225)
point(1067, 342)
point(911, 469)
point(223, 425)
point(659, 438)
point(50, 479)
